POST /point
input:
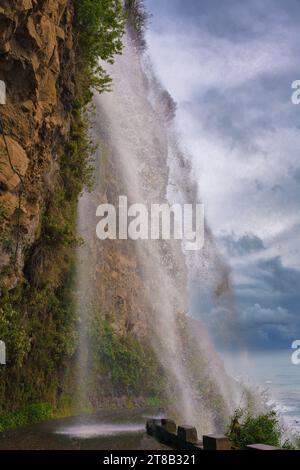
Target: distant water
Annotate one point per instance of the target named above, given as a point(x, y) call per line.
point(274, 371)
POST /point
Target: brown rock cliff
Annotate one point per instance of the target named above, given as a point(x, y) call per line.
point(37, 64)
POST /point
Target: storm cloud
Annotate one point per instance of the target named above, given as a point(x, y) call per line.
point(229, 66)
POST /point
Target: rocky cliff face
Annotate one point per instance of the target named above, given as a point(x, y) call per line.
point(38, 194)
point(44, 149)
point(37, 64)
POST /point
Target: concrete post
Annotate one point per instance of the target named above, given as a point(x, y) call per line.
point(169, 425)
point(211, 442)
point(187, 434)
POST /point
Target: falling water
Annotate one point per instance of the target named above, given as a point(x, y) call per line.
point(134, 124)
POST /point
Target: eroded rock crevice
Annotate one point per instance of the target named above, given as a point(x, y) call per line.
point(37, 64)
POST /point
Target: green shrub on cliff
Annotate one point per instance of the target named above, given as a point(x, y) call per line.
point(38, 326)
point(100, 27)
point(13, 333)
point(128, 366)
point(246, 429)
point(29, 415)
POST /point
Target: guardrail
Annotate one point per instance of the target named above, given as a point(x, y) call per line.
point(185, 437)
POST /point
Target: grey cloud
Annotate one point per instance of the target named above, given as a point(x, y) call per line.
point(230, 66)
point(238, 20)
point(296, 175)
point(266, 312)
point(258, 327)
point(239, 246)
point(256, 315)
point(278, 277)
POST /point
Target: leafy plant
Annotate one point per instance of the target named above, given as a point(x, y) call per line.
point(296, 442)
point(100, 27)
point(14, 334)
point(153, 401)
point(31, 414)
point(129, 365)
point(246, 429)
point(6, 240)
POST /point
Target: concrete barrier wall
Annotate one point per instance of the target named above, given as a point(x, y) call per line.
point(184, 437)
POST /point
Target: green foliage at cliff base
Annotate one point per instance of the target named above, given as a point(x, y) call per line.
point(122, 364)
point(28, 415)
point(246, 428)
point(38, 327)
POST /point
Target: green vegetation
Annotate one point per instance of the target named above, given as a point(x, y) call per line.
point(14, 334)
point(38, 326)
point(29, 415)
point(100, 27)
point(245, 429)
point(6, 240)
point(123, 364)
point(154, 401)
point(5, 236)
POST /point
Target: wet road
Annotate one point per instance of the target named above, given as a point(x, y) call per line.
point(106, 430)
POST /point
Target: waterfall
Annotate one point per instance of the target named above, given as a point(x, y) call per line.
point(140, 155)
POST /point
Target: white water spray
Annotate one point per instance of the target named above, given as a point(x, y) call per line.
point(133, 121)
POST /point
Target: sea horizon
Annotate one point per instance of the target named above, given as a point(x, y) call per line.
point(273, 372)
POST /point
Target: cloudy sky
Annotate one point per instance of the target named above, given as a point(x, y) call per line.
point(229, 65)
